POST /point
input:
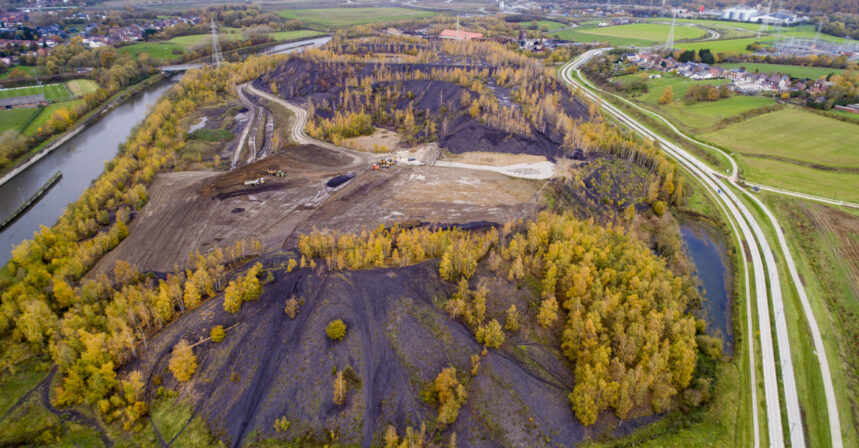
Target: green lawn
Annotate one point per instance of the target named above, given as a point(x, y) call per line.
point(51, 91)
point(550, 24)
point(580, 36)
point(795, 71)
point(337, 17)
point(803, 138)
point(15, 118)
point(80, 87)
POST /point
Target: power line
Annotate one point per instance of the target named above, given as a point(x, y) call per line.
point(217, 57)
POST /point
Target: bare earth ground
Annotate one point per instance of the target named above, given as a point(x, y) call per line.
point(492, 158)
point(382, 137)
point(191, 211)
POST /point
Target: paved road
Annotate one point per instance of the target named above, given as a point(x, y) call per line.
point(754, 235)
point(817, 339)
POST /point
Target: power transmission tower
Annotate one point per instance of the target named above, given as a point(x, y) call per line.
point(763, 26)
point(217, 57)
point(669, 43)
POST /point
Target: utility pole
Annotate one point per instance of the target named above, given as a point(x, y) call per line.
point(669, 43)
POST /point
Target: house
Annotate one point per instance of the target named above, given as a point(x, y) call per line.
point(853, 108)
point(459, 35)
point(23, 101)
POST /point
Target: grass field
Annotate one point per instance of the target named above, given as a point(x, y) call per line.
point(550, 24)
point(164, 49)
point(337, 17)
point(778, 148)
point(51, 91)
point(724, 46)
point(80, 87)
point(29, 69)
point(638, 34)
point(15, 118)
point(795, 71)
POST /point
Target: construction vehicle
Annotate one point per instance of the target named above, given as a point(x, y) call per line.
point(375, 168)
point(276, 173)
point(253, 182)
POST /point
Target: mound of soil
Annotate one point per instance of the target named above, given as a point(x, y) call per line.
point(397, 341)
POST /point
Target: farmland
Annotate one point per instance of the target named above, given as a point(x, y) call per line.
point(795, 71)
point(776, 150)
point(173, 48)
point(725, 46)
point(338, 17)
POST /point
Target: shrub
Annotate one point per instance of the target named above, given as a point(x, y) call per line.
point(336, 330)
point(659, 208)
point(183, 363)
point(218, 333)
point(291, 308)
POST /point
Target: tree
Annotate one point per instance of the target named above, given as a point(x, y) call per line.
point(450, 395)
point(512, 321)
point(491, 334)
point(667, 96)
point(658, 208)
point(336, 330)
point(192, 295)
point(183, 362)
point(340, 389)
point(232, 298)
point(218, 334)
point(548, 312)
point(291, 308)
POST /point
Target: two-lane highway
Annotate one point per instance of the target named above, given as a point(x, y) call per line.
point(765, 273)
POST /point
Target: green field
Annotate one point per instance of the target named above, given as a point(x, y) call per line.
point(31, 70)
point(80, 87)
point(337, 17)
point(795, 71)
point(46, 113)
point(15, 118)
point(724, 46)
point(778, 148)
point(639, 34)
point(165, 49)
point(550, 24)
point(51, 91)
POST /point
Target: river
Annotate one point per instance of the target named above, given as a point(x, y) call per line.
point(81, 160)
point(710, 260)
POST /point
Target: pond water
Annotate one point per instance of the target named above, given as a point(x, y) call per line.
point(711, 263)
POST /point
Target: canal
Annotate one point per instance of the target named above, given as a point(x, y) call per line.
point(81, 160)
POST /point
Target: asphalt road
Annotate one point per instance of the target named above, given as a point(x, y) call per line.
point(765, 273)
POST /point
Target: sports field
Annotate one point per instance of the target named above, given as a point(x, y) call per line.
point(780, 148)
point(80, 87)
point(795, 71)
point(30, 70)
point(337, 17)
point(51, 91)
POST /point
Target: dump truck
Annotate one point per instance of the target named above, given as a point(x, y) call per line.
point(252, 182)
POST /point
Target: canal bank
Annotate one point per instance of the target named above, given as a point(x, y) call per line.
point(53, 143)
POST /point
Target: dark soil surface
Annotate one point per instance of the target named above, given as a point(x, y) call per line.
point(458, 132)
point(397, 341)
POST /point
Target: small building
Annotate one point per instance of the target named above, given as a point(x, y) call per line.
point(459, 35)
point(740, 13)
point(23, 101)
point(853, 108)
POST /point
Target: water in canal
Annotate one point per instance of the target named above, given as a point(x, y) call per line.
point(81, 160)
point(711, 264)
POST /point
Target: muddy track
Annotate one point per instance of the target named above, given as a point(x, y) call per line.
point(23, 399)
point(71, 414)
